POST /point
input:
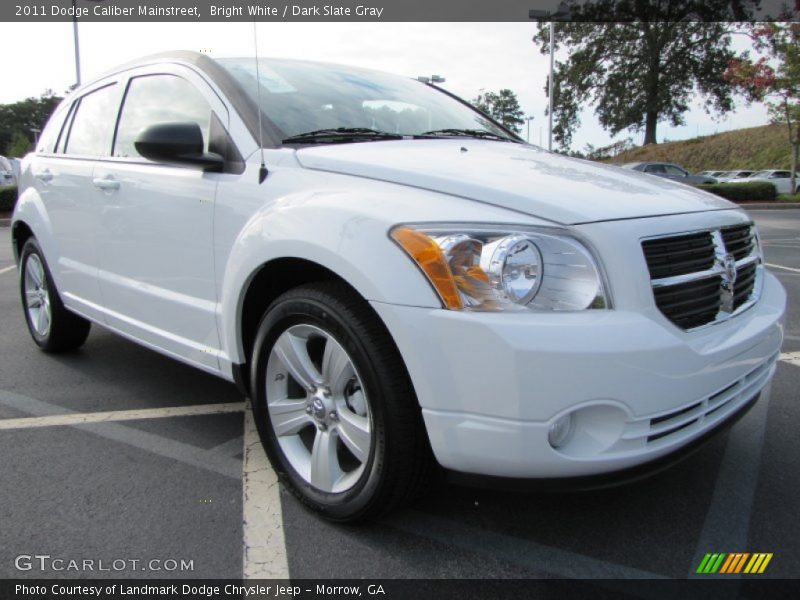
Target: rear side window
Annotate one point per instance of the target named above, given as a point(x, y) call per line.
point(654, 169)
point(673, 170)
point(93, 124)
point(153, 99)
point(47, 140)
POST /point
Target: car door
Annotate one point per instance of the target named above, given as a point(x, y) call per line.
point(676, 173)
point(62, 176)
point(782, 181)
point(155, 224)
point(655, 169)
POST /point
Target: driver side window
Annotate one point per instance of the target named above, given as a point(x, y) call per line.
point(153, 99)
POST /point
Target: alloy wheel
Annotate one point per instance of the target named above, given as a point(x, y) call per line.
point(37, 297)
point(318, 408)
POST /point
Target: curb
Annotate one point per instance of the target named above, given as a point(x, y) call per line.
point(770, 205)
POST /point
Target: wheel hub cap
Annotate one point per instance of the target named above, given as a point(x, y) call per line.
point(37, 299)
point(318, 409)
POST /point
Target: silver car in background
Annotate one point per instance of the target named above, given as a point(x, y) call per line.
point(668, 171)
point(7, 177)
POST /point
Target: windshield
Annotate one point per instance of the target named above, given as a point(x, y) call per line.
point(760, 174)
point(300, 97)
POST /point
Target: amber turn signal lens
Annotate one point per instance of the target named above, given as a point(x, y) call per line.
point(430, 259)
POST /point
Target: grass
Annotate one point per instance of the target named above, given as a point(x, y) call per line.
point(754, 148)
point(788, 198)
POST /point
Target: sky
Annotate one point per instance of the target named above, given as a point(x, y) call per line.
point(471, 56)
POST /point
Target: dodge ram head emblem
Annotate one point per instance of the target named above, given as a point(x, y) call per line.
point(729, 264)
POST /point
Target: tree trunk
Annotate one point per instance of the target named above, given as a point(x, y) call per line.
point(651, 120)
point(653, 49)
point(795, 149)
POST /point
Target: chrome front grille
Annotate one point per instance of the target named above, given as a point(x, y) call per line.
point(704, 277)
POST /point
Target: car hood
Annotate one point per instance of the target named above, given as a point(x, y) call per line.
point(523, 178)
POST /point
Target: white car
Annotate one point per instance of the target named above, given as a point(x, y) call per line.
point(7, 177)
point(731, 175)
point(393, 278)
point(780, 179)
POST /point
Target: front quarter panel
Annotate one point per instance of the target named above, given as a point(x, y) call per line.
point(337, 221)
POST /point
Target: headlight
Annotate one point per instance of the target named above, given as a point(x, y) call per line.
point(477, 268)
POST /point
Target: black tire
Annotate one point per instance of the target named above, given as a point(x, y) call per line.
point(400, 457)
point(67, 331)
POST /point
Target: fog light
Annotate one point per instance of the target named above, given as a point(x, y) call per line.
point(559, 431)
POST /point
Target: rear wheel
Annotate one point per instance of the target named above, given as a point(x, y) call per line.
point(51, 325)
point(334, 404)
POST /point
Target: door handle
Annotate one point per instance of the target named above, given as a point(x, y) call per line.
point(106, 183)
point(45, 176)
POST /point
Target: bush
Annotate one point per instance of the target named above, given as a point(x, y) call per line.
point(8, 198)
point(742, 192)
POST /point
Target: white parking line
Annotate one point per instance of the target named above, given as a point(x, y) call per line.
point(264, 542)
point(774, 266)
point(727, 520)
point(8, 269)
point(125, 434)
point(793, 358)
point(121, 415)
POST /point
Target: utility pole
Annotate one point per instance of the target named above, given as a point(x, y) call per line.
point(76, 41)
point(562, 13)
point(77, 45)
point(550, 86)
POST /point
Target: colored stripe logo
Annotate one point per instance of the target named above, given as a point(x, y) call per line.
point(734, 562)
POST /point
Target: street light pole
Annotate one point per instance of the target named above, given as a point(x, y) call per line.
point(77, 45)
point(77, 41)
point(550, 86)
point(529, 118)
point(562, 13)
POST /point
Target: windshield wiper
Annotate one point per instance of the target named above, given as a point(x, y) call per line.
point(341, 134)
point(474, 133)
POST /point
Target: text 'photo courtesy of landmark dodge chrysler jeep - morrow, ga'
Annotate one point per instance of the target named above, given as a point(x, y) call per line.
point(396, 280)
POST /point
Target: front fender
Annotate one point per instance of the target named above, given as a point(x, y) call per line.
point(329, 230)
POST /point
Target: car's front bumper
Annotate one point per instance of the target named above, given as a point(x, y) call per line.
point(491, 385)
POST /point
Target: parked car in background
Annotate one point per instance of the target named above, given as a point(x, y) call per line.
point(714, 174)
point(7, 177)
point(782, 180)
point(730, 175)
point(669, 171)
point(391, 276)
point(16, 166)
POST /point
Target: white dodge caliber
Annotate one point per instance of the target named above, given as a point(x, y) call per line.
point(392, 277)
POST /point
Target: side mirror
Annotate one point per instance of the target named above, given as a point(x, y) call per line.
point(177, 144)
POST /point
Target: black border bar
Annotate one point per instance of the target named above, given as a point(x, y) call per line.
point(193, 11)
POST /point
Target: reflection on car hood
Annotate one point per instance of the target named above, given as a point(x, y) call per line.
point(526, 179)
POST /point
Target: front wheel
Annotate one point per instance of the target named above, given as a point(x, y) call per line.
point(334, 404)
point(51, 325)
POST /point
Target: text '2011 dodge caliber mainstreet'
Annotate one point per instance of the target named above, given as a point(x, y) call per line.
point(394, 279)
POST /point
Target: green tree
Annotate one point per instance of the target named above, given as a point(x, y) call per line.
point(20, 117)
point(19, 146)
point(502, 106)
point(773, 78)
point(637, 74)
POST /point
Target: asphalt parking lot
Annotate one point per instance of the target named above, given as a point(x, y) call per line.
point(178, 480)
